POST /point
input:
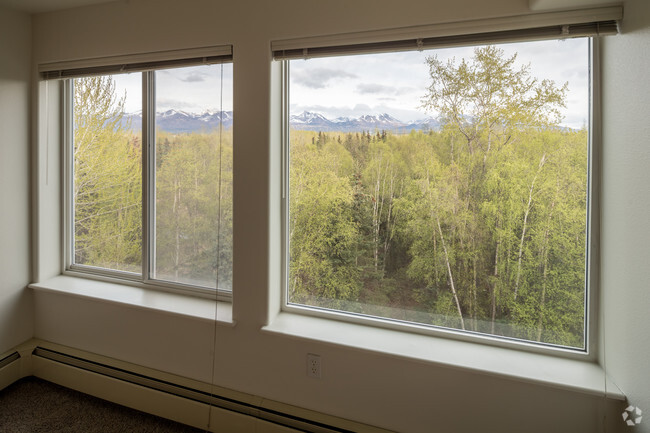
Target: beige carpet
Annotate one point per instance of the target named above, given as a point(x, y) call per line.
point(33, 405)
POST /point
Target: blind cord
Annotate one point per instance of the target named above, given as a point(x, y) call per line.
point(218, 258)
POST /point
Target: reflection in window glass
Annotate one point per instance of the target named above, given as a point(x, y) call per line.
point(444, 188)
point(193, 234)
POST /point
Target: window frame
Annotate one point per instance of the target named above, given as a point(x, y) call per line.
point(143, 280)
point(592, 254)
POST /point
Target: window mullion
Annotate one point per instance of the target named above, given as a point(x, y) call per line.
point(148, 175)
point(68, 173)
point(593, 198)
point(285, 100)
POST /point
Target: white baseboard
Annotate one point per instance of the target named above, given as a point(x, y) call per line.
point(16, 364)
point(10, 369)
point(176, 398)
point(124, 393)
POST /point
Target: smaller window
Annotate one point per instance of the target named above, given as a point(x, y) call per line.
point(150, 175)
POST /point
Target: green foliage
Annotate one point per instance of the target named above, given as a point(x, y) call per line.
point(194, 208)
point(107, 179)
point(480, 225)
point(322, 230)
point(193, 234)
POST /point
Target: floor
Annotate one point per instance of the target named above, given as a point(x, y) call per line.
point(32, 405)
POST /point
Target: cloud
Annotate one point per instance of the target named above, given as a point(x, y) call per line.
point(318, 78)
point(194, 78)
point(363, 108)
point(385, 91)
point(373, 88)
point(164, 104)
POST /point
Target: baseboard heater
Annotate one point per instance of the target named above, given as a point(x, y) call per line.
point(275, 417)
point(9, 359)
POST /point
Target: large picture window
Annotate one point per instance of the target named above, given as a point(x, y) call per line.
point(444, 188)
point(150, 179)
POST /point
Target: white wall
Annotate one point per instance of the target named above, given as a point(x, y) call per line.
point(387, 391)
point(16, 311)
point(625, 240)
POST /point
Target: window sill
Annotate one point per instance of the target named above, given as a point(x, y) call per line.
point(569, 374)
point(137, 297)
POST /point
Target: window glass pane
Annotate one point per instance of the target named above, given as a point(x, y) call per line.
point(445, 188)
point(107, 183)
point(193, 223)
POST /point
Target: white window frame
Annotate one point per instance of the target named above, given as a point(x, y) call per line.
point(379, 42)
point(147, 65)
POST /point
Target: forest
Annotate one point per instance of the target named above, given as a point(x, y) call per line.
point(477, 226)
point(192, 227)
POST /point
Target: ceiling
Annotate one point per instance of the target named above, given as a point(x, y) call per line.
point(37, 6)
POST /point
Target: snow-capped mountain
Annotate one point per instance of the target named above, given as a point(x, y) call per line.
point(308, 117)
point(177, 121)
point(172, 113)
point(427, 123)
point(382, 121)
point(312, 121)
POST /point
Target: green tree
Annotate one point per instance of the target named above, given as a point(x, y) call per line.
point(488, 100)
point(322, 230)
point(107, 191)
point(194, 209)
point(479, 226)
point(486, 213)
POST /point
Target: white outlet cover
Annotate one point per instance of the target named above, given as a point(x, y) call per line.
point(313, 366)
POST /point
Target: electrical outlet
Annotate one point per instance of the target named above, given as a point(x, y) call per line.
point(313, 365)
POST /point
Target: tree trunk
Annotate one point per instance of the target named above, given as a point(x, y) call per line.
point(451, 277)
point(390, 223)
point(177, 252)
point(474, 308)
point(377, 206)
point(496, 278)
point(525, 225)
point(542, 301)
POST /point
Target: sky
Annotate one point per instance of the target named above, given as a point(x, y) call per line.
point(394, 83)
point(194, 89)
point(351, 86)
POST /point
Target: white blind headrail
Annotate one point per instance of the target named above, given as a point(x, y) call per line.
point(552, 25)
point(136, 62)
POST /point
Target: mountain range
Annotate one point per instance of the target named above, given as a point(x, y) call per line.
point(176, 121)
point(311, 121)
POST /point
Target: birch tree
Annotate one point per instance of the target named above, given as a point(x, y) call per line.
point(107, 191)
